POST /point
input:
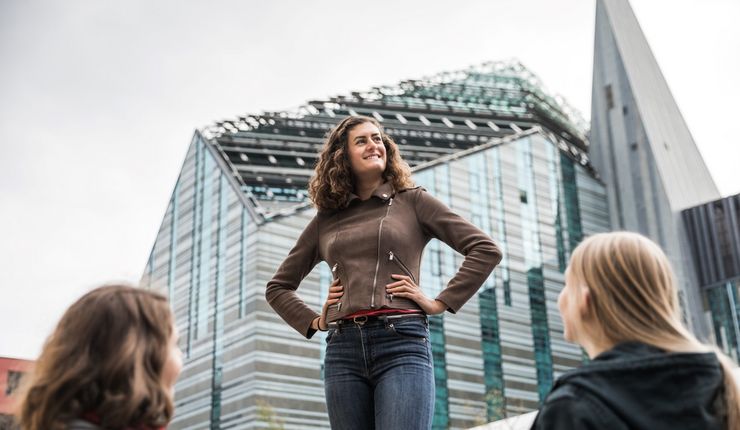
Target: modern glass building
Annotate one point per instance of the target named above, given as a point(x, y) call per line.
point(713, 230)
point(486, 140)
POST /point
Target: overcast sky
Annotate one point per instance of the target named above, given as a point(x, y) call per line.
point(99, 100)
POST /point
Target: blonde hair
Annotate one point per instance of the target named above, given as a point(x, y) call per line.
point(632, 289)
point(106, 357)
point(332, 182)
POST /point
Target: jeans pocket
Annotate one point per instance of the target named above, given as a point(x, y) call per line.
point(412, 328)
point(331, 334)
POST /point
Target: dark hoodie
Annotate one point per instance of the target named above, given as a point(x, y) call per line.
point(637, 386)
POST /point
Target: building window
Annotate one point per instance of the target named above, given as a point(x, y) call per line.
point(14, 381)
point(609, 97)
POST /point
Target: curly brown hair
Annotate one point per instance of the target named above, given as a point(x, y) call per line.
point(106, 357)
point(332, 183)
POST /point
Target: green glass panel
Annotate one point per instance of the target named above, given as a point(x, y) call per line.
point(194, 255)
point(493, 373)
point(540, 331)
point(205, 240)
point(218, 310)
point(572, 210)
point(441, 419)
point(725, 314)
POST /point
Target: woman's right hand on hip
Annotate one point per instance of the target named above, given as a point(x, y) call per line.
point(336, 291)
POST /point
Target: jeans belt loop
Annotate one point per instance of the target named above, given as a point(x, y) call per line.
point(337, 325)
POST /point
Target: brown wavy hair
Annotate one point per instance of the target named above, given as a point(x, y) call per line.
point(332, 183)
point(105, 357)
point(634, 293)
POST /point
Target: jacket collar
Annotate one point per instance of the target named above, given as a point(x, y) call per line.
point(384, 192)
point(637, 355)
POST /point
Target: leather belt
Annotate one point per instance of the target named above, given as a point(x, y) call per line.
point(361, 320)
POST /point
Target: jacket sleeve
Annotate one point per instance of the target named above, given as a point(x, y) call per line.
point(281, 289)
point(481, 253)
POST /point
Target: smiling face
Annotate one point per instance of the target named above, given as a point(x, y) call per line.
point(366, 151)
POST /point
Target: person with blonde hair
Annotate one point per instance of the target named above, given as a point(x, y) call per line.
point(647, 371)
point(110, 363)
point(371, 227)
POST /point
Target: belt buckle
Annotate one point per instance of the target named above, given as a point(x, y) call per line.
point(361, 320)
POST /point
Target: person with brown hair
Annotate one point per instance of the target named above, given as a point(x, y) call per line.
point(647, 371)
point(371, 227)
point(110, 363)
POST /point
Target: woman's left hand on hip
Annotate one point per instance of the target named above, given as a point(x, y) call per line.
point(405, 287)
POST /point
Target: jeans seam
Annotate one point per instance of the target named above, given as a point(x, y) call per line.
point(364, 352)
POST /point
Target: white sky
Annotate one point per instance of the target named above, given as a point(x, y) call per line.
point(99, 100)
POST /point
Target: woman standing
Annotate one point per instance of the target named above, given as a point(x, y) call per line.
point(111, 363)
point(620, 303)
point(371, 228)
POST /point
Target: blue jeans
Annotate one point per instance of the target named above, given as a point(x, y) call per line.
point(379, 375)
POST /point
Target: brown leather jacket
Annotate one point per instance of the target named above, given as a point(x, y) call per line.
point(370, 240)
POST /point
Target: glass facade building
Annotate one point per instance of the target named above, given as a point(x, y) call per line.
point(487, 141)
point(713, 230)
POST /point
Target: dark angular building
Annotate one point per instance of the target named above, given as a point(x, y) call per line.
point(713, 230)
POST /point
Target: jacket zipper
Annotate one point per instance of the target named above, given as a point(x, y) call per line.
point(334, 272)
point(377, 263)
point(399, 263)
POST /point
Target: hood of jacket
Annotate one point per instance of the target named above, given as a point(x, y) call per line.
point(647, 388)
